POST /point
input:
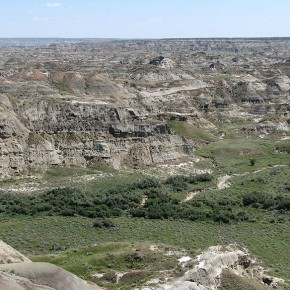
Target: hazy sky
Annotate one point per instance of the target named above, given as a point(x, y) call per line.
point(144, 18)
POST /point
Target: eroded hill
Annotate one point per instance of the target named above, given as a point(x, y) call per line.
point(131, 102)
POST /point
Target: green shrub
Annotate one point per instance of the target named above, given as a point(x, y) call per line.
point(147, 183)
point(177, 183)
point(103, 223)
point(252, 161)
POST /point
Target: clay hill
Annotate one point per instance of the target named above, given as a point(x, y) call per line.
point(83, 102)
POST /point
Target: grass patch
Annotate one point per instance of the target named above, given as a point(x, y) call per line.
point(134, 259)
point(190, 131)
point(283, 146)
point(274, 181)
point(46, 235)
point(62, 87)
point(230, 281)
point(234, 155)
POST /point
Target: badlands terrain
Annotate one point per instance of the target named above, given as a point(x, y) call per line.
point(145, 164)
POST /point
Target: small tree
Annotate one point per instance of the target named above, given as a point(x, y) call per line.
point(252, 161)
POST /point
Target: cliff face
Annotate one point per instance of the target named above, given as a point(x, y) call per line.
point(37, 134)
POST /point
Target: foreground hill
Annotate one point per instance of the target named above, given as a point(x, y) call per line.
point(19, 273)
point(217, 268)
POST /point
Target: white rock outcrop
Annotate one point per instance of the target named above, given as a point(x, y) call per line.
point(18, 273)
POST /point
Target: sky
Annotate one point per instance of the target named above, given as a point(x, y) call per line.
point(144, 18)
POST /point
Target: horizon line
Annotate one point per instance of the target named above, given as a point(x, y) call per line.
point(149, 38)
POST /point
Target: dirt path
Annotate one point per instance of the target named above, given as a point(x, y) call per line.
point(223, 181)
point(191, 195)
point(259, 170)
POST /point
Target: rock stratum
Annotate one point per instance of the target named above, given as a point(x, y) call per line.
point(79, 102)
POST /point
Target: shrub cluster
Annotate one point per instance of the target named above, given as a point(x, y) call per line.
point(147, 198)
point(103, 223)
point(180, 182)
point(70, 202)
point(267, 201)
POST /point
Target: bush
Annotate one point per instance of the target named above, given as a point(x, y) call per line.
point(103, 223)
point(223, 216)
point(266, 201)
point(255, 199)
point(242, 216)
point(138, 212)
point(282, 202)
point(202, 214)
point(252, 161)
point(206, 177)
point(147, 183)
point(178, 183)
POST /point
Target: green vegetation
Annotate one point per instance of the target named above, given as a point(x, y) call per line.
point(137, 259)
point(63, 172)
point(100, 199)
point(233, 155)
point(264, 196)
point(190, 131)
point(152, 199)
point(252, 161)
point(45, 235)
point(253, 212)
point(103, 223)
point(230, 281)
point(62, 87)
point(272, 183)
point(283, 146)
point(96, 226)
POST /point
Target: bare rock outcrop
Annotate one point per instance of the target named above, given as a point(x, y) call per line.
point(41, 276)
point(210, 265)
point(18, 273)
point(37, 134)
point(10, 255)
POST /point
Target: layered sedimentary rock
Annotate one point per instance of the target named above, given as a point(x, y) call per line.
point(78, 102)
point(36, 134)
